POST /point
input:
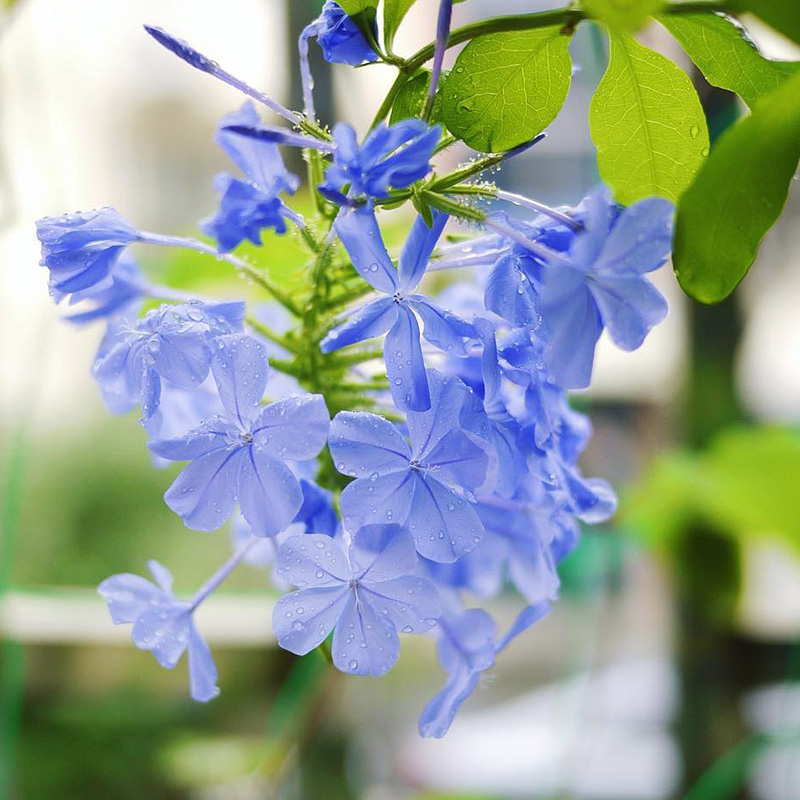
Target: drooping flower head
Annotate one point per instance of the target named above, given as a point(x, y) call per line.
point(248, 206)
point(339, 37)
point(162, 624)
point(81, 249)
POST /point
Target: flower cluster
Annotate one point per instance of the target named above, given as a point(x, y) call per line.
point(448, 473)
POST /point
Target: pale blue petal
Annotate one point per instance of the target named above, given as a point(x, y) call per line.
point(410, 603)
point(128, 596)
point(386, 499)
point(630, 307)
point(240, 370)
point(295, 428)
point(405, 365)
point(302, 620)
point(456, 458)
point(533, 572)
point(212, 435)
point(164, 631)
point(182, 357)
point(444, 525)
point(361, 237)
point(202, 670)
point(269, 494)
point(417, 250)
point(312, 559)
point(640, 240)
point(363, 643)
point(364, 444)
point(204, 494)
point(382, 552)
point(371, 320)
point(529, 615)
point(427, 427)
point(510, 294)
point(442, 328)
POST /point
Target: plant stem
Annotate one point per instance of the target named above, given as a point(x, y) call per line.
point(272, 335)
point(564, 17)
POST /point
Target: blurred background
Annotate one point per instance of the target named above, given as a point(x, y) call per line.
point(671, 668)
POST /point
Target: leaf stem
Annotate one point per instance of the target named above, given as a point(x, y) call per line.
point(564, 17)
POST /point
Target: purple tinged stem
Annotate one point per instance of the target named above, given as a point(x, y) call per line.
point(537, 249)
point(219, 576)
point(442, 37)
point(306, 78)
point(535, 205)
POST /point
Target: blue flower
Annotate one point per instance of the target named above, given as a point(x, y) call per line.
point(424, 486)
point(395, 312)
point(162, 624)
point(468, 647)
point(390, 157)
point(173, 342)
point(249, 206)
point(600, 284)
point(339, 37)
point(81, 249)
point(127, 288)
point(241, 456)
point(368, 595)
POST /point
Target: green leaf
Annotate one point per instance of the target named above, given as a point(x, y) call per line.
point(723, 52)
point(393, 13)
point(505, 88)
point(410, 100)
point(737, 197)
point(783, 15)
point(363, 13)
point(622, 15)
point(647, 123)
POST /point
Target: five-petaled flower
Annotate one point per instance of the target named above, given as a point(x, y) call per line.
point(424, 486)
point(242, 455)
point(369, 594)
point(162, 624)
point(395, 312)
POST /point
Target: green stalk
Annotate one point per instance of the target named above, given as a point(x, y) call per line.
point(565, 17)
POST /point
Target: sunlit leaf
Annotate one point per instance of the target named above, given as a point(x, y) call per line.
point(725, 54)
point(507, 87)
point(738, 196)
point(647, 123)
point(622, 15)
point(393, 13)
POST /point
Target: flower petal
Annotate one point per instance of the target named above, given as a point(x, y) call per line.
point(303, 619)
point(204, 494)
point(442, 328)
point(295, 428)
point(382, 552)
point(410, 603)
point(417, 250)
point(444, 525)
point(364, 444)
point(269, 494)
point(358, 229)
point(240, 370)
point(405, 365)
point(128, 595)
point(312, 559)
point(363, 643)
point(367, 322)
point(386, 499)
point(510, 294)
point(630, 306)
point(202, 670)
